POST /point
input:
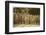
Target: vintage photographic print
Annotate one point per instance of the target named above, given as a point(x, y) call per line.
point(24, 17)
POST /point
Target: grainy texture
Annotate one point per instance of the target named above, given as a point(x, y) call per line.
point(26, 16)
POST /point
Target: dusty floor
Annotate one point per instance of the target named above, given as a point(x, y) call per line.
point(26, 25)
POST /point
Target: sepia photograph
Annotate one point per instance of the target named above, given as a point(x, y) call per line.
point(26, 17)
